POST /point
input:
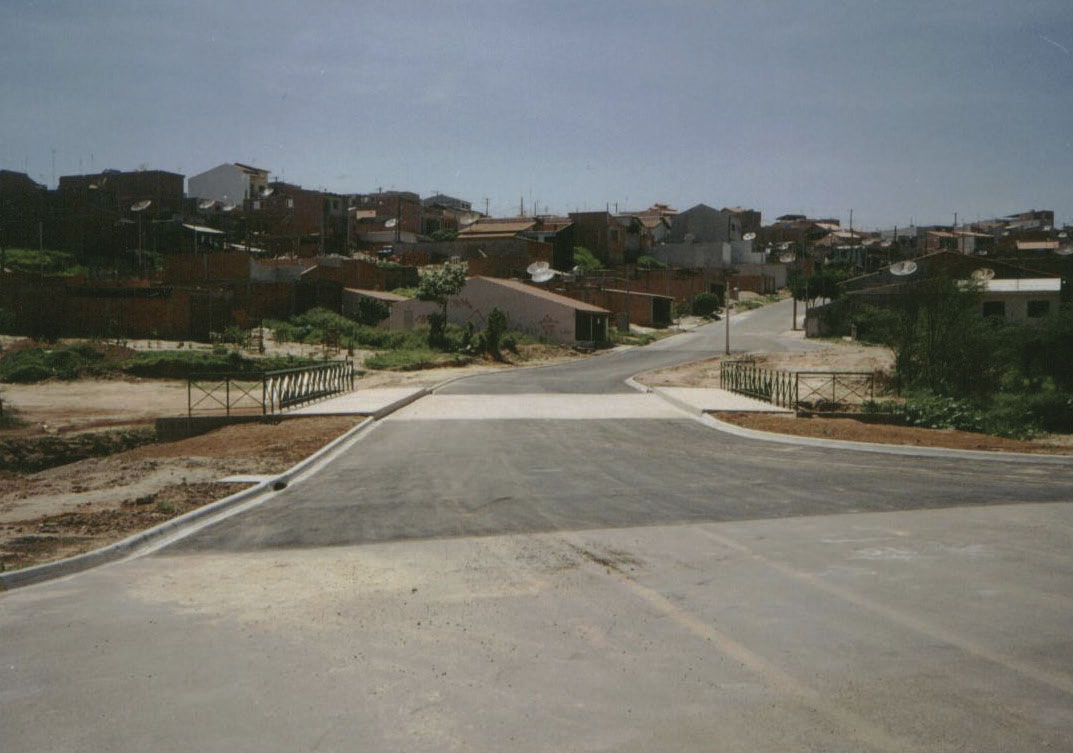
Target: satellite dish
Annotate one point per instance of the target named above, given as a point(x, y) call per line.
point(786, 258)
point(903, 268)
point(543, 275)
point(1047, 228)
point(228, 208)
point(140, 206)
point(983, 274)
point(537, 267)
point(1062, 234)
point(266, 192)
point(391, 223)
point(749, 237)
point(1064, 250)
point(206, 204)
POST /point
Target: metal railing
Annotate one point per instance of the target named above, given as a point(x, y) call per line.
point(267, 392)
point(798, 390)
point(771, 385)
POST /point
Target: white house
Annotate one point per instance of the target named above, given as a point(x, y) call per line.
point(529, 309)
point(230, 183)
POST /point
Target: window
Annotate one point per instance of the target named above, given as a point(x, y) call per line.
point(995, 308)
point(1037, 309)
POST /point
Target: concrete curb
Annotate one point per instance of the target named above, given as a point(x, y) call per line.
point(885, 449)
point(165, 533)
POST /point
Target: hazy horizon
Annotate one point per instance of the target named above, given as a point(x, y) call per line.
point(901, 112)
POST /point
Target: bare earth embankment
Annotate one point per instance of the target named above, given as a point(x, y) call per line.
point(79, 506)
point(845, 357)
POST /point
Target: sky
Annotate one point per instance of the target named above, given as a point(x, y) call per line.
point(900, 111)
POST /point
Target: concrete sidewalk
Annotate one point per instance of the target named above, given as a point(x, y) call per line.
point(358, 402)
point(702, 400)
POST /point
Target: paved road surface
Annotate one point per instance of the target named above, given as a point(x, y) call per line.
point(544, 570)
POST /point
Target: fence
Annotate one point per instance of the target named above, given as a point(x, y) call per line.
point(267, 392)
point(810, 390)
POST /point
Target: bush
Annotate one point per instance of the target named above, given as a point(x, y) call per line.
point(705, 304)
point(323, 327)
point(30, 365)
point(494, 328)
point(510, 342)
point(649, 262)
point(372, 311)
point(586, 260)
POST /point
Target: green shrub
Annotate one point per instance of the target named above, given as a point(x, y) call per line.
point(30, 365)
point(510, 342)
point(372, 311)
point(586, 260)
point(494, 328)
point(649, 262)
point(705, 304)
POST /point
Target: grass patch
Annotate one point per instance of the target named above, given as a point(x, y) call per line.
point(322, 327)
point(31, 365)
point(179, 364)
point(414, 359)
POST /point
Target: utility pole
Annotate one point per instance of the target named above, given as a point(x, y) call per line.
point(726, 308)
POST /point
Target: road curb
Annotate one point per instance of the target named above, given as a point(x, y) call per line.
point(884, 449)
point(165, 533)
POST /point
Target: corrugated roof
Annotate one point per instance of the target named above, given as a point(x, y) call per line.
point(378, 294)
point(547, 295)
point(512, 226)
point(1025, 285)
point(486, 236)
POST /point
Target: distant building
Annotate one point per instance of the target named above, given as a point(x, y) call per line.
point(22, 209)
point(229, 184)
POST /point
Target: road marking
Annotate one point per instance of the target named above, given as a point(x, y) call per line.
point(917, 624)
point(438, 407)
point(872, 735)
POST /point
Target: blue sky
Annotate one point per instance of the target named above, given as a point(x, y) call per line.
point(898, 110)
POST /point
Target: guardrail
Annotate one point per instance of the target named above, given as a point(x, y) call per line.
point(266, 392)
point(798, 390)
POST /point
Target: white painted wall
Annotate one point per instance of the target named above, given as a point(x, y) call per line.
point(225, 183)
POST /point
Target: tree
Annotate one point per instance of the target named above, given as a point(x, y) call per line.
point(438, 284)
point(585, 259)
point(650, 262)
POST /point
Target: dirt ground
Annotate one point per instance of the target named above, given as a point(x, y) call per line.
point(81, 506)
point(845, 356)
point(860, 431)
point(834, 356)
point(85, 505)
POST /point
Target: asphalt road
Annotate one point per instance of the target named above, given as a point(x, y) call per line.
point(758, 330)
point(575, 567)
